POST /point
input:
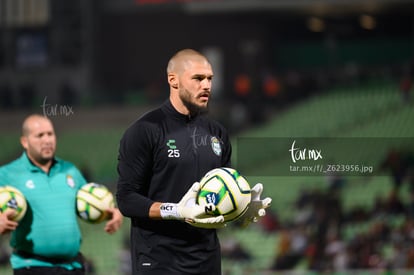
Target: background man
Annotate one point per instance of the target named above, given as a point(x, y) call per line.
point(47, 240)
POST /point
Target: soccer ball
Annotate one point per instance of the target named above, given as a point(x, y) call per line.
point(92, 201)
point(227, 190)
point(11, 197)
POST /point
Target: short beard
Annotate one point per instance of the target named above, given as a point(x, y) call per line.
point(45, 160)
point(40, 160)
point(192, 108)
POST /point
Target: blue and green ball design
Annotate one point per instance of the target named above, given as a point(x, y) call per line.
point(12, 198)
point(227, 190)
point(92, 201)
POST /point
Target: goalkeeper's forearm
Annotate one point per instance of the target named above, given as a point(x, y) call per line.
point(154, 211)
point(172, 211)
point(166, 211)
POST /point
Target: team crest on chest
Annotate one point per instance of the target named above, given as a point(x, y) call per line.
point(215, 145)
point(30, 184)
point(70, 181)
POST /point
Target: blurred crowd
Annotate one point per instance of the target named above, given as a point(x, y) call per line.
point(324, 236)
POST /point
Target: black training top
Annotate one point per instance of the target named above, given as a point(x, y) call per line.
point(160, 156)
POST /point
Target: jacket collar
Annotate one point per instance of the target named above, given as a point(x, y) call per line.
point(34, 168)
point(169, 109)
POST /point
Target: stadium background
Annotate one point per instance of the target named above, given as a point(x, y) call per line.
point(297, 68)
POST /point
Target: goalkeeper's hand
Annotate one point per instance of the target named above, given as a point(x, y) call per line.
point(257, 206)
point(191, 212)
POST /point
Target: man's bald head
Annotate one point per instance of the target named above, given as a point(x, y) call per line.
point(182, 59)
point(31, 121)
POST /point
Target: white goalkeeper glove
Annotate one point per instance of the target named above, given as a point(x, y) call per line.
point(257, 206)
point(217, 224)
point(190, 212)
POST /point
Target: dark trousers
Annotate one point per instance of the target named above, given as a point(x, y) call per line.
point(42, 270)
point(38, 270)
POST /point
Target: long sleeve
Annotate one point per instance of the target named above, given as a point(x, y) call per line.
point(134, 170)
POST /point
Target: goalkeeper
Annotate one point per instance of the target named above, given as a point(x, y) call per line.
point(161, 157)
